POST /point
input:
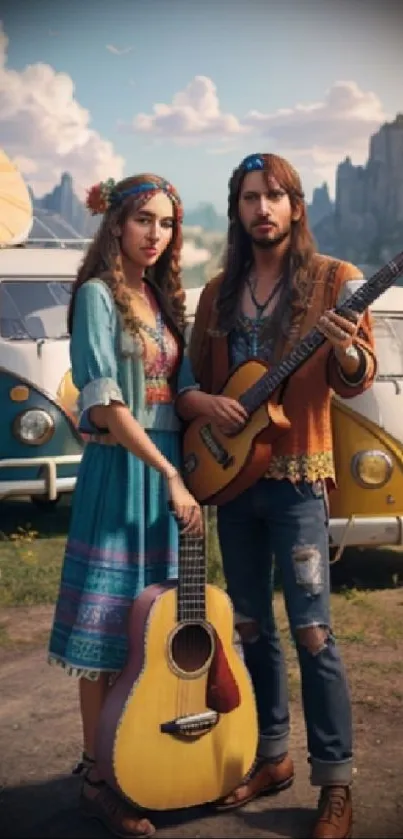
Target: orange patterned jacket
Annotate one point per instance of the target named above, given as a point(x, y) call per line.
point(306, 450)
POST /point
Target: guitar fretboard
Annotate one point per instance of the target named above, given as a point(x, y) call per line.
point(261, 390)
point(192, 578)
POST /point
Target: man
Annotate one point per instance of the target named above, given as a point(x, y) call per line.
point(273, 289)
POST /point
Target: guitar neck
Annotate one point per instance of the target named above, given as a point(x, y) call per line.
point(261, 391)
point(192, 578)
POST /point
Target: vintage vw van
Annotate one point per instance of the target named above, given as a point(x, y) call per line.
point(40, 448)
point(367, 507)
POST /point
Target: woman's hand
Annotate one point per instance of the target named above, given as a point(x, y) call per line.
point(186, 509)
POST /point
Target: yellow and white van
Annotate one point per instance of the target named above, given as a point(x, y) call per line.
point(367, 507)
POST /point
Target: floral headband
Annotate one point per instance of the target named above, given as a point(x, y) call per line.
point(104, 195)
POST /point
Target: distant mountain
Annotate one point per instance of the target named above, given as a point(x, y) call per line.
point(62, 201)
point(206, 216)
point(363, 225)
point(321, 205)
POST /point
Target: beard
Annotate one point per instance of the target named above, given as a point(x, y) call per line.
point(269, 244)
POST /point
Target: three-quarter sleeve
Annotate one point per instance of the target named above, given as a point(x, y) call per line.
point(186, 380)
point(93, 351)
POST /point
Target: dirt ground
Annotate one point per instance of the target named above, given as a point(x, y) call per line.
point(40, 741)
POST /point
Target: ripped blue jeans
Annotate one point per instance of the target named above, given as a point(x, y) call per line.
point(288, 522)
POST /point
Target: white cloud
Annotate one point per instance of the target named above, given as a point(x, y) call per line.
point(44, 126)
point(191, 255)
point(193, 115)
point(316, 136)
point(319, 135)
point(313, 135)
point(345, 118)
point(224, 149)
point(117, 51)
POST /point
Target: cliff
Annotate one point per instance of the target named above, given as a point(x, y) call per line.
point(321, 205)
point(366, 225)
point(62, 201)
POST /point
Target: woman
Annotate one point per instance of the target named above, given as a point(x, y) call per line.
point(126, 322)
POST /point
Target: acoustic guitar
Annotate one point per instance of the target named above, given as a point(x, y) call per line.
point(179, 725)
point(217, 467)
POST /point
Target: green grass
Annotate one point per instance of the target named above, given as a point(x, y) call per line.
point(32, 545)
point(214, 566)
point(29, 571)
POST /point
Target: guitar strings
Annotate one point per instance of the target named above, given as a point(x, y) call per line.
point(190, 607)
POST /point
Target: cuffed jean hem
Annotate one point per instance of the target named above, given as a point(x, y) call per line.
point(324, 774)
point(272, 748)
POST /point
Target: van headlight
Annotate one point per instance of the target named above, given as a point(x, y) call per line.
point(33, 427)
point(372, 468)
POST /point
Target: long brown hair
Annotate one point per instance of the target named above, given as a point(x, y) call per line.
point(238, 257)
point(103, 258)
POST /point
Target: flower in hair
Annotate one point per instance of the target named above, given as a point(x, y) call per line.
point(99, 196)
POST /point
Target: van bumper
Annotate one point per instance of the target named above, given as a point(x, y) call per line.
point(366, 531)
point(48, 485)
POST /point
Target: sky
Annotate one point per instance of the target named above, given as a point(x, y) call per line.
point(187, 88)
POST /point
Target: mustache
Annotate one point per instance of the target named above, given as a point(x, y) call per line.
point(264, 220)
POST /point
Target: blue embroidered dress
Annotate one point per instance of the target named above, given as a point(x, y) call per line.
point(122, 536)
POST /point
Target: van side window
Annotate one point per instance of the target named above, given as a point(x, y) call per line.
point(388, 333)
point(34, 309)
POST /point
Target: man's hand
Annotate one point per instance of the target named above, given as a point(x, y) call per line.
point(229, 414)
point(340, 332)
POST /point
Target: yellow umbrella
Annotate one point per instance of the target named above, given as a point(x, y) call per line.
point(16, 212)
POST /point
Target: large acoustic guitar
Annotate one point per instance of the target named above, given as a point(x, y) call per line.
point(218, 467)
point(179, 725)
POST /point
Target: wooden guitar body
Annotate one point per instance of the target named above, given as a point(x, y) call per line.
point(159, 744)
point(218, 467)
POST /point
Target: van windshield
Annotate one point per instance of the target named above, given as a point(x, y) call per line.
point(388, 333)
point(34, 309)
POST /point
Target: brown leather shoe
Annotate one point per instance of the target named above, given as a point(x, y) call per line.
point(335, 814)
point(264, 779)
point(98, 801)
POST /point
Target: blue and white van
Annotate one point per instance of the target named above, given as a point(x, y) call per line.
point(40, 447)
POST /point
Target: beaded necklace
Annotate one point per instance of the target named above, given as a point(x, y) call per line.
point(256, 322)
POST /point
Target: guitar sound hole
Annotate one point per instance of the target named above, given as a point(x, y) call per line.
point(191, 647)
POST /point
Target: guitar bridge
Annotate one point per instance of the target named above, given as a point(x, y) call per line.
point(191, 724)
point(215, 448)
